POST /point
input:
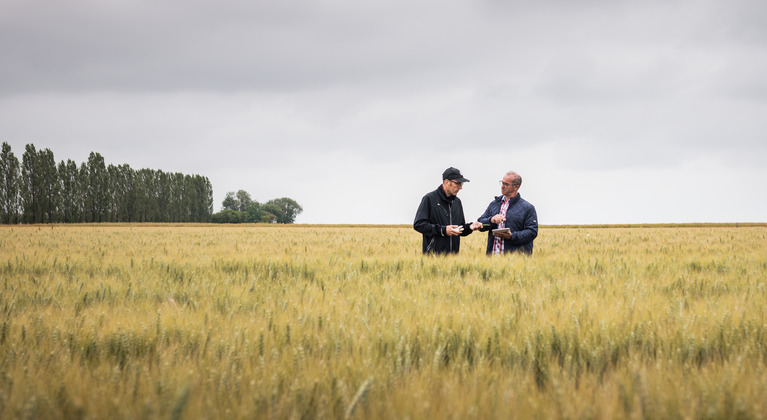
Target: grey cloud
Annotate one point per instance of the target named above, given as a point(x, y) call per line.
point(247, 90)
point(219, 46)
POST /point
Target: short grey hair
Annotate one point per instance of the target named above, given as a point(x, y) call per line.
point(517, 178)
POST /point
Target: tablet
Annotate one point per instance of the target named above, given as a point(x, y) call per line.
point(501, 230)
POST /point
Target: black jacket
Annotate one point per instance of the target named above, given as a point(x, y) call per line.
point(435, 213)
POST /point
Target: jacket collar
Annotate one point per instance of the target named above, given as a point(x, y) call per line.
point(443, 195)
point(512, 200)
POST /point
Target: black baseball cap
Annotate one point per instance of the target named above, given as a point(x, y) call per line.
point(454, 175)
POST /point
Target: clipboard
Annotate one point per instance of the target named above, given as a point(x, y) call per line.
point(502, 230)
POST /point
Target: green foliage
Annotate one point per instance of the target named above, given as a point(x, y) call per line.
point(39, 186)
point(239, 201)
point(96, 193)
point(241, 208)
point(230, 216)
point(285, 209)
point(10, 180)
point(258, 213)
point(243, 199)
point(40, 191)
point(270, 213)
point(230, 202)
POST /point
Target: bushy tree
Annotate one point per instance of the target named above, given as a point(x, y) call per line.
point(230, 202)
point(271, 213)
point(287, 209)
point(255, 212)
point(279, 210)
point(238, 201)
point(243, 200)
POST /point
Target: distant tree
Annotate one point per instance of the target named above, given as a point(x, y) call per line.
point(84, 214)
point(188, 199)
point(237, 201)
point(270, 213)
point(40, 191)
point(288, 209)
point(31, 186)
point(162, 197)
point(118, 193)
point(230, 202)
point(204, 197)
point(279, 210)
point(10, 179)
point(49, 186)
point(69, 191)
point(243, 200)
point(124, 192)
point(152, 180)
point(97, 194)
point(198, 195)
point(140, 196)
point(255, 212)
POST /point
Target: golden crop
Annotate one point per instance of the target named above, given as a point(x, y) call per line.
point(211, 321)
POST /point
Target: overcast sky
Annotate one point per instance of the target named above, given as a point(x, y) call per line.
point(613, 111)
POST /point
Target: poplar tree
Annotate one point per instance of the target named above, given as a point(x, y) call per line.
point(10, 180)
point(40, 191)
point(98, 188)
point(69, 190)
point(32, 211)
point(49, 186)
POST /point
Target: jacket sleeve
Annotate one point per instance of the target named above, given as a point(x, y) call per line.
point(462, 223)
point(485, 218)
point(529, 232)
point(422, 223)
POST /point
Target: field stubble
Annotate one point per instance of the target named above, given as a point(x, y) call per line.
point(257, 321)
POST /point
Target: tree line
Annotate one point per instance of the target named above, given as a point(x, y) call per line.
point(241, 208)
point(38, 190)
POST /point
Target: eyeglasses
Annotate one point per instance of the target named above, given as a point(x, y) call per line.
point(460, 184)
point(505, 184)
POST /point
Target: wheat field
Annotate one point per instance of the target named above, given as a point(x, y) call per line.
point(331, 322)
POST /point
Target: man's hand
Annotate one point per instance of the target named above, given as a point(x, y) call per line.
point(498, 219)
point(476, 225)
point(502, 235)
point(452, 230)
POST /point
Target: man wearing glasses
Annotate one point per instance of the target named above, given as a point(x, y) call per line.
point(440, 216)
point(510, 211)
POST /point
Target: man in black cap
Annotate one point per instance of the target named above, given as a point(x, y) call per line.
point(440, 216)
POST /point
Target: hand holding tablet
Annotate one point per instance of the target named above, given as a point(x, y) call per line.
point(503, 233)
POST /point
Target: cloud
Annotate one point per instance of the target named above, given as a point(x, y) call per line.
point(332, 100)
point(226, 46)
